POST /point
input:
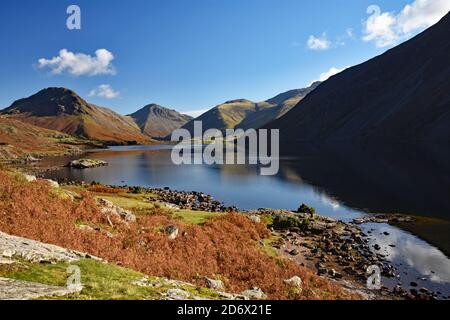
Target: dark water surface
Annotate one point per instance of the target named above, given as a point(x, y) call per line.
point(339, 182)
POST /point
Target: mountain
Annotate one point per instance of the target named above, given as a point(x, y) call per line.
point(63, 110)
point(21, 140)
point(401, 95)
point(245, 114)
point(156, 121)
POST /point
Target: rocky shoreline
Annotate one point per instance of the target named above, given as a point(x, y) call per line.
point(334, 249)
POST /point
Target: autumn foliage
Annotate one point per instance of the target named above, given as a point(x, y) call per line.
point(226, 247)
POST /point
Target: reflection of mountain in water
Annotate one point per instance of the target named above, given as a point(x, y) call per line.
point(387, 179)
point(395, 178)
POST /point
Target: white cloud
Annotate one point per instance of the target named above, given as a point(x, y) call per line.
point(388, 28)
point(318, 43)
point(80, 64)
point(325, 75)
point(104, 91)
point(195, 113)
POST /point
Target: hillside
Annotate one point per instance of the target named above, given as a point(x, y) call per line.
point(20, 140)
point(84, 222)
point(63, 110)
point(242, 113)
point(157, 121)
point(401, 95)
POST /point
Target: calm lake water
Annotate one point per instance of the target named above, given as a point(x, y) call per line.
point(339, 183)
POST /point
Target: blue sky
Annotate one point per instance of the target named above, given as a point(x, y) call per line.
point(192, 55)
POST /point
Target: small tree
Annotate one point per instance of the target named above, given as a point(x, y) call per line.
point(306, 209)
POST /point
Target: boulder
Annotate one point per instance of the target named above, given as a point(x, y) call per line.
point(111, 209)
point(295, 282)
point(29, 177)
point(177, 294)
point(86, 163)
point(254, 293)
point(215, 284)
point(254, 218)
point(172, 232)
point(52, 183)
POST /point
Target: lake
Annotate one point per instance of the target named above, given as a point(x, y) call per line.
point(339, 182)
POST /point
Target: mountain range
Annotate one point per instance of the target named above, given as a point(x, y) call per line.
point(63, 110)
point(401, 95)
point(245, 114)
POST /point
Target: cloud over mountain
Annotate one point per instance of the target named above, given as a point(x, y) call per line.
point(104, 91)
point(80, 64)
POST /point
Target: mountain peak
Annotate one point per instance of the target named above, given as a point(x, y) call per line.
point(49, 102)
point(158, 121)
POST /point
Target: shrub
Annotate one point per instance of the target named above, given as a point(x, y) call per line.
point(306, 209)
point(289, 222)
point(137, 190)
point(226, 245)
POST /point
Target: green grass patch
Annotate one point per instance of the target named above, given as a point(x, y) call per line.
point(100, 281)
point(267, 246)
point(127, 201)
point(195, 217)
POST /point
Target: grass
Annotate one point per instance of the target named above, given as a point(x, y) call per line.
point(140, 203)
point(100, 281)
point(127, 201)
point(267, 246)
point(196, 217)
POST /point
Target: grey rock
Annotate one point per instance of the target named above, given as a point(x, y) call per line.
point(172, 232)
point(20, 290)
point(254, 293)
point(254, 218)
point(295, 282)
point(110, 209)
point(178, 294)
point(29, 178)
point(215, 284)
point(34, 251)
point(86, 163)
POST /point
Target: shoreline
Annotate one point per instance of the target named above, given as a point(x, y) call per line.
point(337, 250)
point(353, 277)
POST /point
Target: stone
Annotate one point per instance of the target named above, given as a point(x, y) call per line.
point(34, 251)
point(29, 178)
point(322, 271)
point(177, 294)
point(255, 218)
point(86, 163)
point(172, 232)
point(20, 290)
point(254, 293)
point(6, 261)
point(294, 252)
point(52, 183)
point(215, 284)
point(295, 282)
point(110, 208)
point(8, 253)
